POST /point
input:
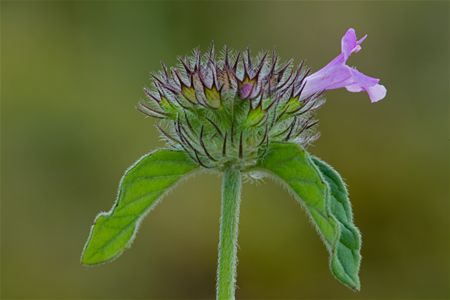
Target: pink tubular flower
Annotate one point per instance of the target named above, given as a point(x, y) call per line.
point(336, 74)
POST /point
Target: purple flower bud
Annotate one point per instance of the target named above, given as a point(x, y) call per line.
point(337, 74)
point(246, 90)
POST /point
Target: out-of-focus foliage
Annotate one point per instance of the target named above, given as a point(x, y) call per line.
point(72, 73)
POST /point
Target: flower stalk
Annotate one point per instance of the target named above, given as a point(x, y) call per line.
point(229, 225)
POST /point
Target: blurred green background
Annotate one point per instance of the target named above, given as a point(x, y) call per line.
point(72, 73)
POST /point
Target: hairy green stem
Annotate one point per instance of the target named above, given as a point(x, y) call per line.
point(229, 225)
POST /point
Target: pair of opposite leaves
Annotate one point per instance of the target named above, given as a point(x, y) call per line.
point(312, 182)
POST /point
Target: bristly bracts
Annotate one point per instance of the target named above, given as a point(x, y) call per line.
point(225, 109)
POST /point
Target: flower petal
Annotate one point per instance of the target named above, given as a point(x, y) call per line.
point(349, 43)
point(362, 82)
point(362, 79)
point(376, 92)
point(328, 78)
point(337, 74)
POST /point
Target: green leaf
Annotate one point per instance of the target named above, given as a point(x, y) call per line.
point(143, 184)
point(322, 193)
point(349, 243)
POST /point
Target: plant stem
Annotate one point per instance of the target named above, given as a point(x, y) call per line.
point(229, 225)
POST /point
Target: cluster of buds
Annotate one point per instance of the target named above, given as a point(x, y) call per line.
point(225, 110)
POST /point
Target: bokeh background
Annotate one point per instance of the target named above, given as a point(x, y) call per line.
point(71, 74)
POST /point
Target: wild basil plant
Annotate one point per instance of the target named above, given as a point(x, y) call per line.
point(241, 116)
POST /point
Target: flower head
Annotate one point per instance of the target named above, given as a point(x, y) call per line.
point(226, 110)
point(337, 74)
